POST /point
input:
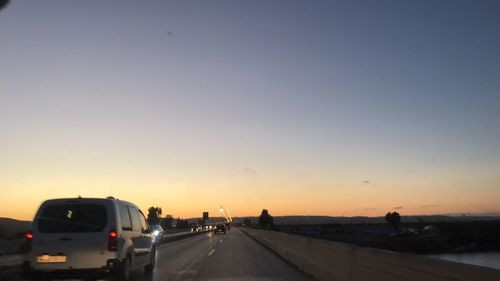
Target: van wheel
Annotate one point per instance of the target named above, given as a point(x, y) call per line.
point(149, 268)
point(124, 270)
point(46, 277)
point(29, 275)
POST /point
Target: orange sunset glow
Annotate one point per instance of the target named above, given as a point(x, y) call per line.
point(329, 113)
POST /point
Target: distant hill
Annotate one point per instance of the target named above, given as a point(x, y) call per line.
point(489, 214)
point(304, 220)
point(11, 227)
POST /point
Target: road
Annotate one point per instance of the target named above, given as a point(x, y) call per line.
point(209, 256)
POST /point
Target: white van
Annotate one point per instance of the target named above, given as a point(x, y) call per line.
point(78, 237)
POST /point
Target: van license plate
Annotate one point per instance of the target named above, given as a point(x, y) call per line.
point(50, 259)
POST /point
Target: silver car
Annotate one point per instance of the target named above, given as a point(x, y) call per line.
point(77, 237)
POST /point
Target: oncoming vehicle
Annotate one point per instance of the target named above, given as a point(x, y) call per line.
point(157, 232)
point(196, 228)
point(220, 228)
point(78, 237)
point(193, 227)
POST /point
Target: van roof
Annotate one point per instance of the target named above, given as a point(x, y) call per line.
point(78, 199)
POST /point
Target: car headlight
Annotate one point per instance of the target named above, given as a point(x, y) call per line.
point(156, 232)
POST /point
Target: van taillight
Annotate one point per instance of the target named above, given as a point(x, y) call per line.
point(112, 241)
point(26, 248)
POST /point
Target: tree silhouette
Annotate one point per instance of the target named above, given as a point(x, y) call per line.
point(393, 218)
point(247, 222)
point(266, 220)
point(154, 215)
point(167, 222)
point(182, 223)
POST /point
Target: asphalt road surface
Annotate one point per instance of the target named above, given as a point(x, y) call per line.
point(209, 256)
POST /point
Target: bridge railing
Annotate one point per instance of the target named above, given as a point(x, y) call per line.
point(334, 261)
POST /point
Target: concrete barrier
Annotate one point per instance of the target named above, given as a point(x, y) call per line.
point(180, 235)
point(334, 261)
point(10, 246)
point(11, 260)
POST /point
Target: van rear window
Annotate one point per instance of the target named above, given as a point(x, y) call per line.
point(68, 218)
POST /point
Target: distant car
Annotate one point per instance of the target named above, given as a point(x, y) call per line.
point(196, 228)
point(158, 233)
point(88, 236)
point(220, 228)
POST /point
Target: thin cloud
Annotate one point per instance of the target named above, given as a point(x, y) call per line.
point(429, 206)
point(398, 208)
point(250, 171)
point(365, 209)
point(248, 174)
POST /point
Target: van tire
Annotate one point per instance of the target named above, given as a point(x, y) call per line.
point(29, 275)
point(148, 269)
point(36, 276)
point(124, 270)
point(46, 277)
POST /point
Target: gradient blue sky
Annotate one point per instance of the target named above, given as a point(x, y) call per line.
point(302, 107)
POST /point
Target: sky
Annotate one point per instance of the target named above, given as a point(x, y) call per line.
point(301, 107)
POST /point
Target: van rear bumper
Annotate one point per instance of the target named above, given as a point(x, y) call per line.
point(31, 273)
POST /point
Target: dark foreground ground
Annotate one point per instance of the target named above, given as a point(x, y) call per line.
point(417, 238)
point(209, 256)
